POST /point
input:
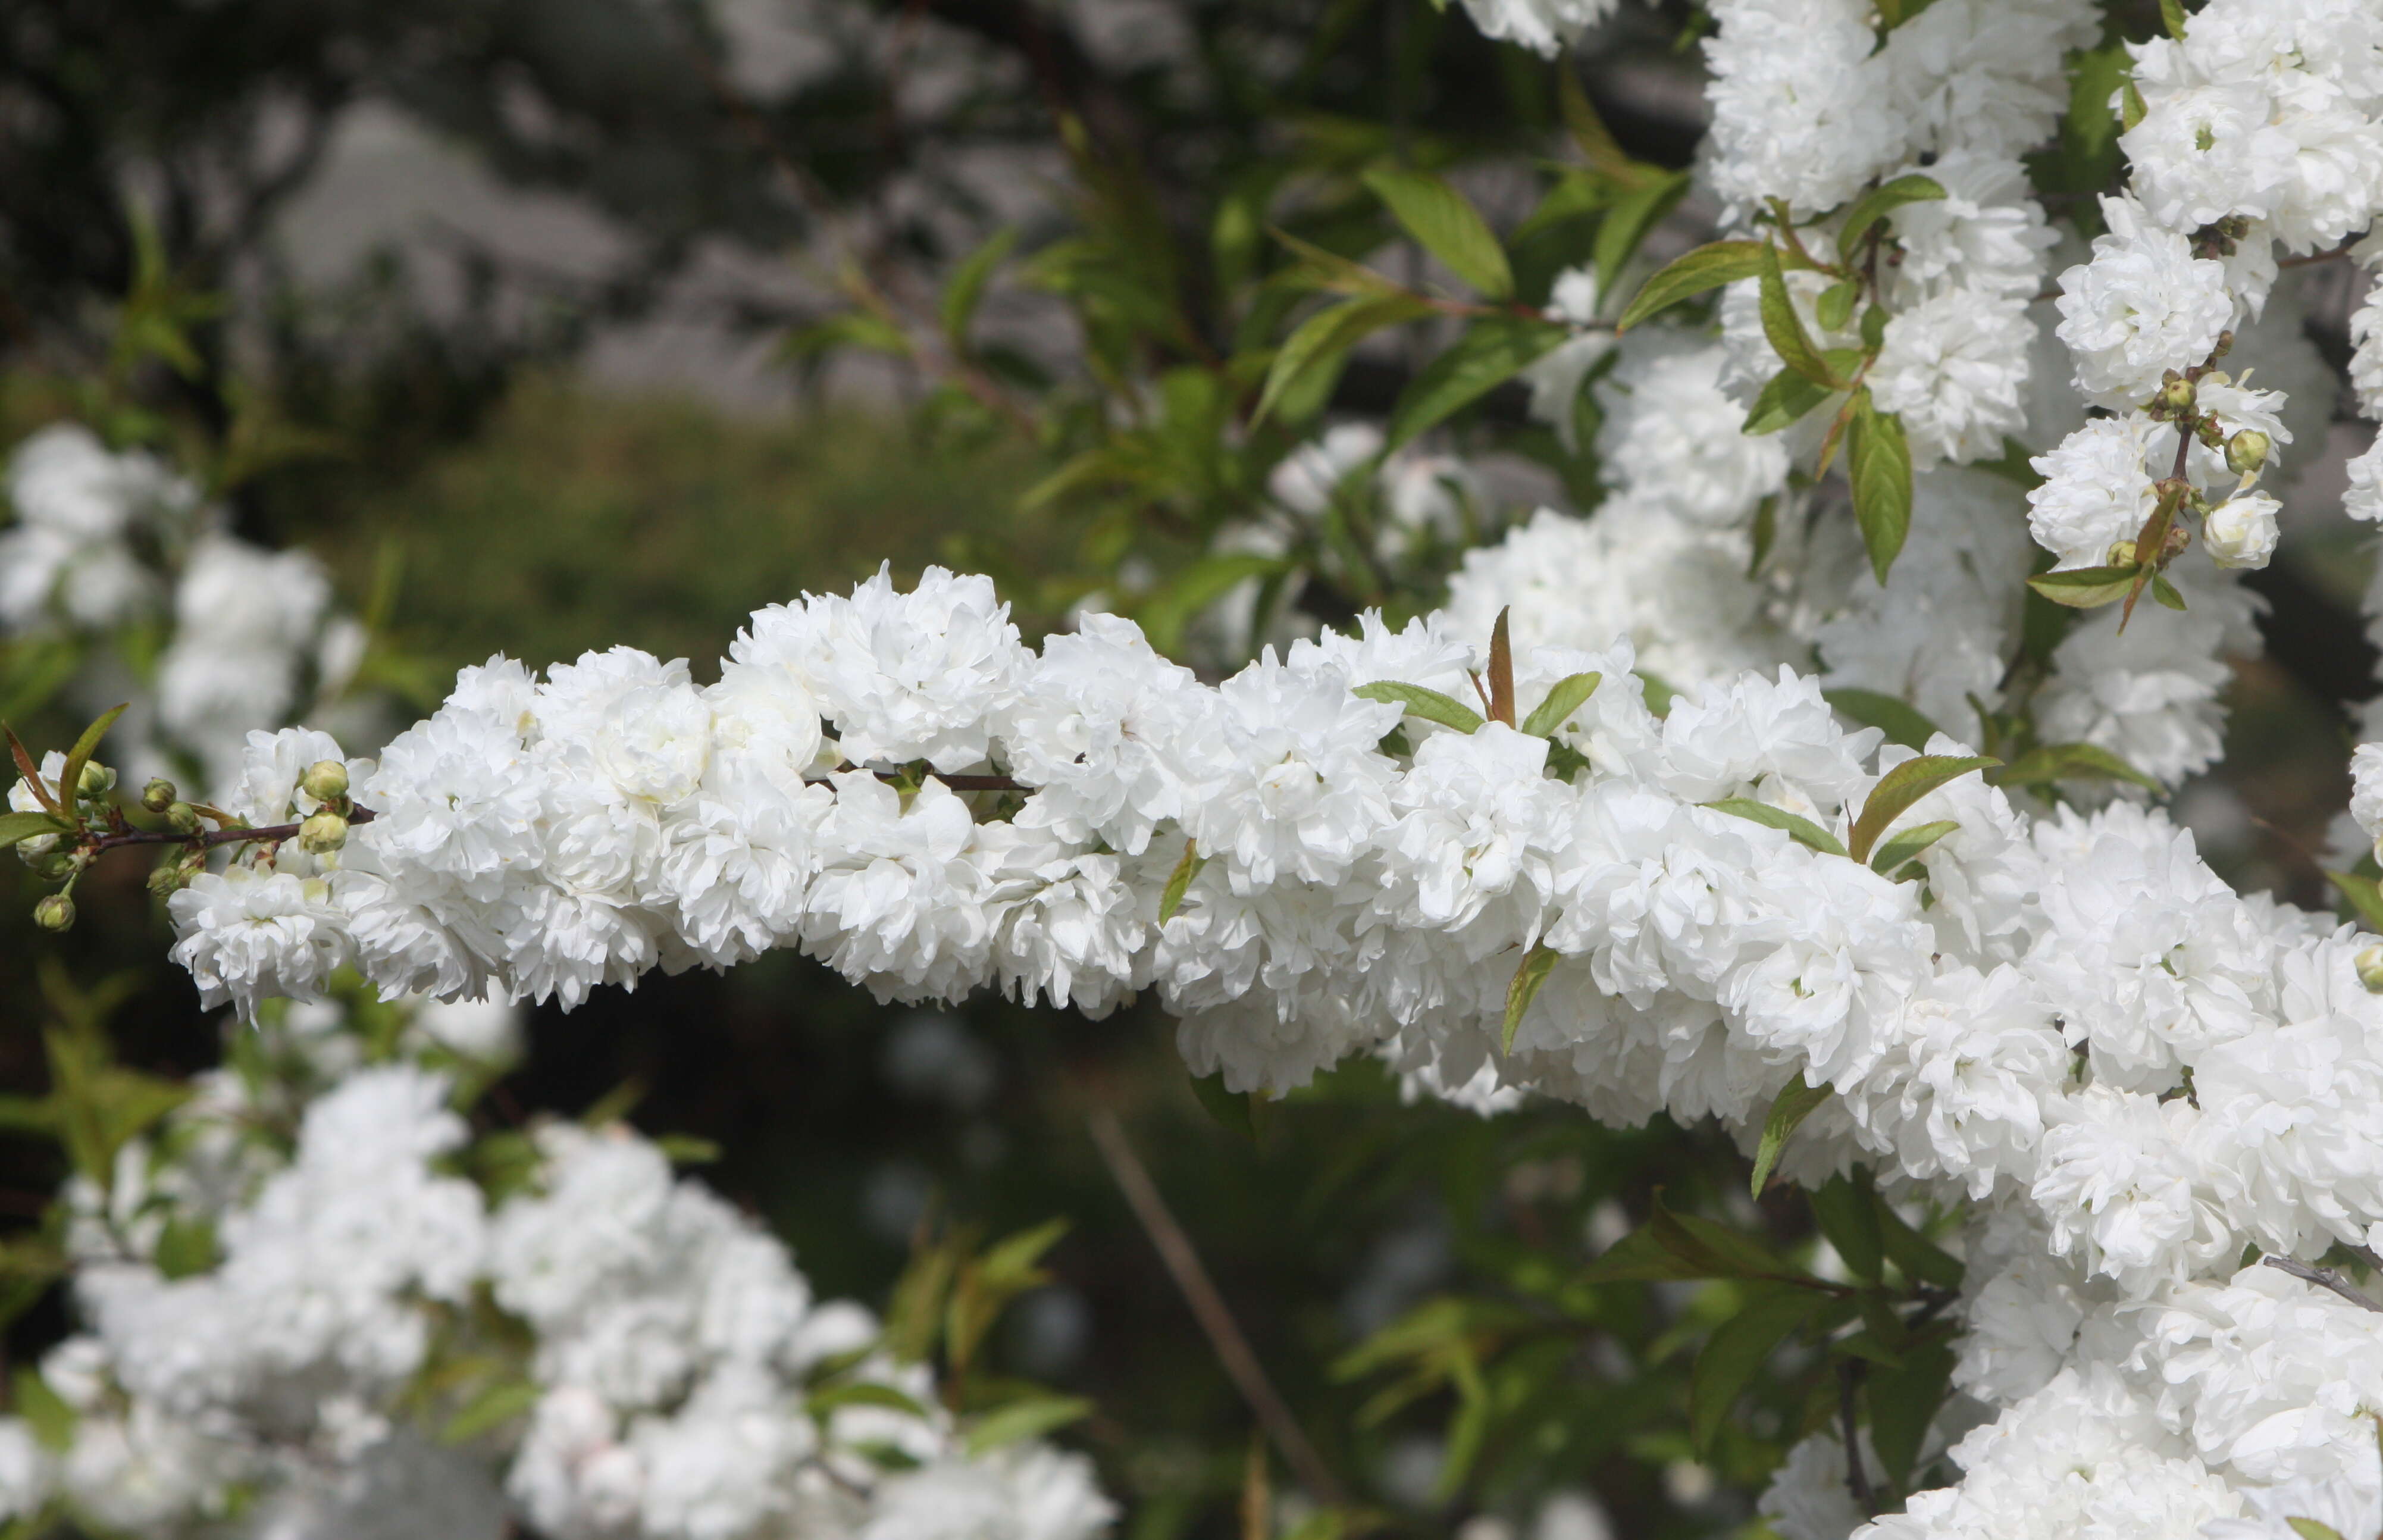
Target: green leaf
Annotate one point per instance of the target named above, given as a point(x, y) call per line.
point(1879, 464)
point(1231, 1109)
point(2070, 763)
point(1902, 786)
point(1178, 881)
point(864, 1393)
point(1847, 1213)
point(1012, 1262)
point(1836, 307)
point(492, 1407)
point(1881, 201)
point(2172, 17)
point(1536, 965)
point(1903, 1402)
point(43, 1409)
point(2365, 894)
point(1803, 831)
point(2085, 588)
point(1788, 397)
point(1569, 694)
point(1898, 719)
point(1448, 226)
point(1490, 353)
point(1588, 129)
point(1723, 1251)
point(1022, 1420)
point(1737, 1350)
point(851, 328)
point(2132, 110)
point(70, 777)
point(1786, 328)
point(2164, 592)
point(687, 1150)
point(1628, 222)
point(966, 289)
point(1709, 266)
point(1908, 845)
point(1921, 1259)
point(15, 827)
point(1321, 342)
point(185, 1248)
point(2314, 1529)
point(1430, 705)
point(1795, 1103)
point(1165, 613)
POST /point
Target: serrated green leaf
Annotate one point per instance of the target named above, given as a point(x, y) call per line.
point(1626, 224)
point(2365, 895)
point(1908, 845)
point(2085, 588)
point(2070, 763)
point(1178, 881)
point(1430, 705)
point(1448, 227)
point(1795, 1103)
point(1709, 266)
point(1835, 305)
point(492, 1407)
point(1902, 1405)
point(1022, 1420)
point(70, 777)
point(1569, 694)
point(966, 289)
point(1902, 786)
point(1803, 831)
point(1879, 464)
point(1535, 966)
point(1846, 1212)
point(1898, 719)
point(1921, 1259)
point(16, 827)
point(1013, 1262)
point(1785, 328)
point(1787, 398)
point(1737, 1350)
point(1321, 344)
point(2166, 592)
point(1491, 352)
point(2172, 17)
point(1881, 201)
point(864, 1393)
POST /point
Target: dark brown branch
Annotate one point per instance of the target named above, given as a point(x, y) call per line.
point(1224, 1333)
point(213, 838)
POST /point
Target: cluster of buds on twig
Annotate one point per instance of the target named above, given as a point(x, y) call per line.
point(62, 821)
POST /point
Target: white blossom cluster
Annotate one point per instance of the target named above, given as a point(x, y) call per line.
point(2066, 1020)
point(104, 539)
point(595, 1347)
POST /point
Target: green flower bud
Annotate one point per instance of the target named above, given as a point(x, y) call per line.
point(54, 913)
point(2176, 394)
point(323, 834)
point(325, 780)
point(97, 780)
point(52, 864)
point(181, 818)
point(2246, 451)
point(169, 880)
point(2120, 554)
point(2370, 969)
point(158, 795)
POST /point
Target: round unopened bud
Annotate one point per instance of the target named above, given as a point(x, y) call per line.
point(325, 780)
point(158, 795)
point(2370, 969)
point(181, 818)
point(2120, 554)
point(36, 850)
point(2246, 451)
point(96, 779)
point(2176, 394)
point(169, 880)
point(54, 913)
point(323, 834)
point(52, 865)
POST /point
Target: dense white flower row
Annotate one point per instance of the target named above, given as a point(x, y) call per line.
point(2066, 1018)
point(103, 539)
point(308, 1382)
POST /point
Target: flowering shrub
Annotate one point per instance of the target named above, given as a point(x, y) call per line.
point(1809, 786)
